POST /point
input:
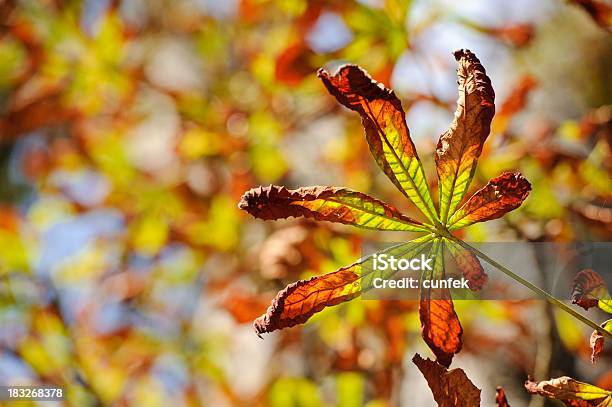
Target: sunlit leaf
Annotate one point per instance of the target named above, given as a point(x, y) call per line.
point(590, 290)
point(300, 300)
point(450, 388)
point(460, 146)
point(339, 205)
point(567, 389)
point(440, 326)
point(500, 196)
point(384, 121)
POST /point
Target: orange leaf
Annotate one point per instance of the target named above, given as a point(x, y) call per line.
point(331, 204)
point(571, 391)
point(302, 299)
point(460, 146)
point(440, 326)
point(588, 288)
point(450, 388)
point(500, 196)
point(500, 397)
point(596, 342)
point(384, 121)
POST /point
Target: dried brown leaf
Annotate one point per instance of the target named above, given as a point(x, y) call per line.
point(460, 146)
point(450, 388)
point(596, 342)
point(588, 288)
point(340, 205)
point(571, 391)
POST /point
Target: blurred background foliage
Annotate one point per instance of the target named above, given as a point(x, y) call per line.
point(130, 129)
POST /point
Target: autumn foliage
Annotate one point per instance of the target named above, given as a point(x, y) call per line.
point(163, 172)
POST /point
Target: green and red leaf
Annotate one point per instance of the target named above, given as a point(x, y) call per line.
point(299, 301)
point(440, 326)
point(590, 290)
point(500, 196)
point(340, 205)
point(570, 390)
point(450, 388)
point(460, 146)
point(384, 121)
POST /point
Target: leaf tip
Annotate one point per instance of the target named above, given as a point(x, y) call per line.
point(465, 53)
point(459, 53)
point(322, 72)
point(258, 327)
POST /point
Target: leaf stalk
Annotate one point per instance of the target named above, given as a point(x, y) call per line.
point(537, 290)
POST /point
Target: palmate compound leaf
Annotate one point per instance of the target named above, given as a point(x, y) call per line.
point(460, 146)
point(300, 300)
point(450, 388)
point(440, 326)
point(571, 391)
point(388, 137)
point(384, 121)
point(500, 196)
point(331, 204)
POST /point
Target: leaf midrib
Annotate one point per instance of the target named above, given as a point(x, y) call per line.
point(421, 243)
point(384, 136)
